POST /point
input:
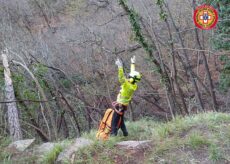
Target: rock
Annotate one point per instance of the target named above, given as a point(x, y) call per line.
point(68, 153)
point(100, 4)
point(19, 146)
point(134, 144)
point(44, 148)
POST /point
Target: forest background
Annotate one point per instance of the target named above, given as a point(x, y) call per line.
point(62, 59)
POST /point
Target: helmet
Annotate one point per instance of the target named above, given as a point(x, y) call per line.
point(136, 76)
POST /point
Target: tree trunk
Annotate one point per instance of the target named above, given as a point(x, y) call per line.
point(188, 65)
point(72, 113)
point(215, 107)
point(175, 78)
point(12, 111)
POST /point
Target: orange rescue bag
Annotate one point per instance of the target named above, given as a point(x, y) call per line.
point(104, 129)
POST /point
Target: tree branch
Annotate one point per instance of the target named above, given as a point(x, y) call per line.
point(27, 100)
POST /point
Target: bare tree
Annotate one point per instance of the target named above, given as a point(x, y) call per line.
point(188, 65)
point(213, 95)
point(12, 111)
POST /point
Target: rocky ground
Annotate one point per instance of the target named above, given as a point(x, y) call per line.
point(203, 138)
point(24, 151)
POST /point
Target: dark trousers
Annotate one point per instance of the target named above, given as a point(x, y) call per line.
point(118, 120)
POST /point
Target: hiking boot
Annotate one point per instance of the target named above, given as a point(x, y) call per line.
point(125, 134)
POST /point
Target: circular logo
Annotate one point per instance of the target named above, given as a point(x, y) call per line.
point(205, 17)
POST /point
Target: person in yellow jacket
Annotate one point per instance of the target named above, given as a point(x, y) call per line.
point(128, 86)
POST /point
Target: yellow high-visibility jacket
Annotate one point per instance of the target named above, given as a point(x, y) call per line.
point(127, 88)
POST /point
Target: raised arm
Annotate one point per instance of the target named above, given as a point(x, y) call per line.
point(121, 76)
point(132, 66)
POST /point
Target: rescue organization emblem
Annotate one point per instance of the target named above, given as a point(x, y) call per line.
point(205, 17)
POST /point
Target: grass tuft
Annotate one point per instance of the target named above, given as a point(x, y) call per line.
point(215, 153)
point(163, 131)
point(196, 140)
point(52, 155)
point(5, 157)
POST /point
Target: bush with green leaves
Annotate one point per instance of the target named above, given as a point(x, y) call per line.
point(225, 74)
point(221, 39)
point(222, 34)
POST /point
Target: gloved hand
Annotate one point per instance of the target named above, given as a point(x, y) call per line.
point(119, 63)
point(133, 59)
point(5, 51)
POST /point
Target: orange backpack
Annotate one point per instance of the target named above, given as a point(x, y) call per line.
point(105, 125)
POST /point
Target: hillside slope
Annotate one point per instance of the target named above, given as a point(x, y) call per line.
point(202, 138)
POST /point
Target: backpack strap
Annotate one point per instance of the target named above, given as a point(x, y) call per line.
point(120, 113)
point(114, 104)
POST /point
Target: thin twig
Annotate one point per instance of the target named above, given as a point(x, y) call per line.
point(37, 101)
point(192, 49)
